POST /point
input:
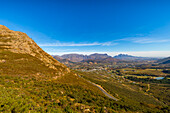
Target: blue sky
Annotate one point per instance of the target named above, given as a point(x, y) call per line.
point(137, 27)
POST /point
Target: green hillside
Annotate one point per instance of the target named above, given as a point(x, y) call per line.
point(33, 81)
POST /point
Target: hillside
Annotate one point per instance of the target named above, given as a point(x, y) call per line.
point(164, 61)
point(33, 81)
point(17, 48)
point(57, 57)
point(62, 60)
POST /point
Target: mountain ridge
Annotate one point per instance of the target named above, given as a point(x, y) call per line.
point(20, 43)
point(164, 61)
point(131, 57)
point(97, 56)
point(81, 57)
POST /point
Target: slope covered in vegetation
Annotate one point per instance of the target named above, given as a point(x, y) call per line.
point(33, 81)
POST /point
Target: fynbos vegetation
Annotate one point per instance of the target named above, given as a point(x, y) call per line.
point(33, 81)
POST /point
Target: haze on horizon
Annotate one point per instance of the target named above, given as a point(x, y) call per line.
point(139, 28)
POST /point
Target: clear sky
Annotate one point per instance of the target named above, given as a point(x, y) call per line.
point(137, 27)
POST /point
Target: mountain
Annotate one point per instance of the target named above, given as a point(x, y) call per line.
point(57, 57)
point(130, 57)
point(62, 60)
point(97, 56)
point(17, 48)
point(74, 57)
point(164, 61)
point(123, 56)
point(79, 57)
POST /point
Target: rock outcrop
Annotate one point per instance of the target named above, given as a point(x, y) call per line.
point(19, 42)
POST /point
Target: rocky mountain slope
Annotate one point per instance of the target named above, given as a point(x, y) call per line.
point(17, 46)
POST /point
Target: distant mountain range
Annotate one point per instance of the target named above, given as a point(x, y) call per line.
point(74, 57)
point(101, 58)
point(80, 57)
point(132, 58)
point(164, 61)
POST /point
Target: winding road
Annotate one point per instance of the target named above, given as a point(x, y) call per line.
point(104, 91)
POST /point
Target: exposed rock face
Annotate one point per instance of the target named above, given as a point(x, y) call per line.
point(19, 42)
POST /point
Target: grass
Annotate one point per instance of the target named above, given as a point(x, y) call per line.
point(24, 65)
